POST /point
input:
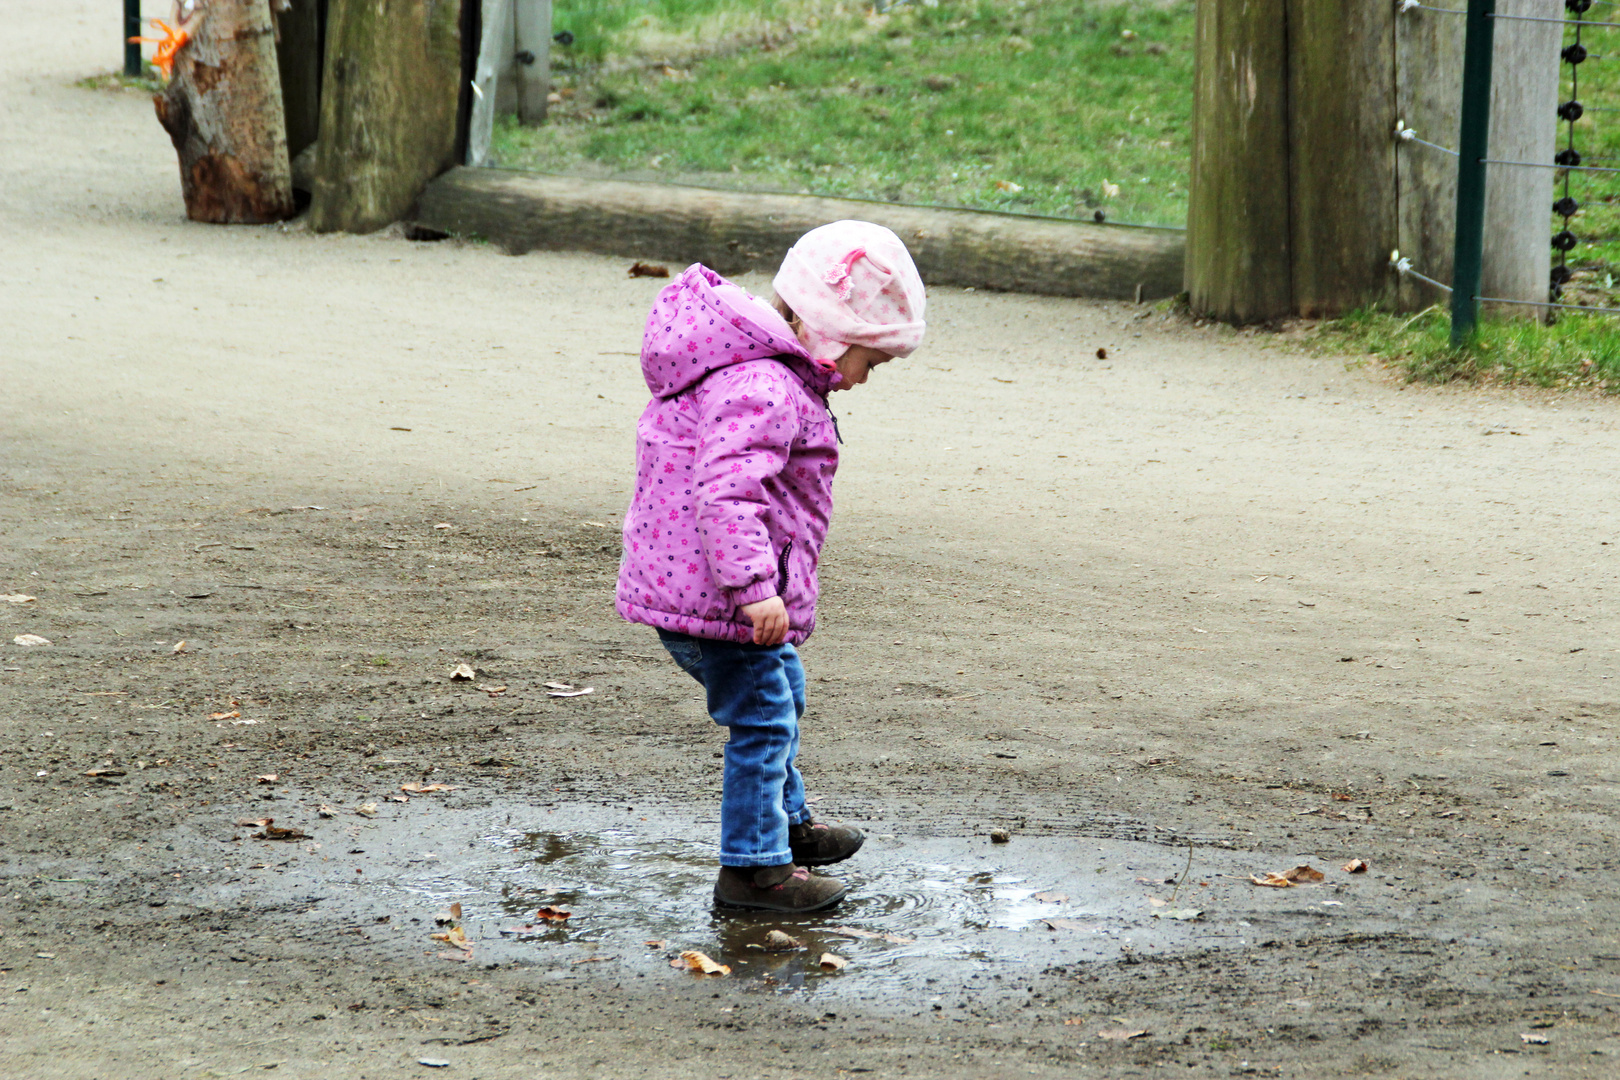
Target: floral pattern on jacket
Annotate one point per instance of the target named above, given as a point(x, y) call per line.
point(735, 457)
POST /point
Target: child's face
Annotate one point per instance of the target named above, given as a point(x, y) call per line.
point(858, 362)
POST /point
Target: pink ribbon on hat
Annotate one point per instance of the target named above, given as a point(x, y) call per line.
point(838, 274)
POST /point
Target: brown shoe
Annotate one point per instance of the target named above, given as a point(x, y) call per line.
point(815, 844)
point(786, 888)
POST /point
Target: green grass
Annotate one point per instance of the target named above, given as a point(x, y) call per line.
point(1577, 351)
point(150, 82)
point(1064, 107)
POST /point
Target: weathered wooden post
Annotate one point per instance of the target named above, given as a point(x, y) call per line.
point(222, 110)
point(389, 98)
point(299, 58)
point(1301, 183)
point(532, 58)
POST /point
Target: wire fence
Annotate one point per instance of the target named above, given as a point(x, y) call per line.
point(1473, 157)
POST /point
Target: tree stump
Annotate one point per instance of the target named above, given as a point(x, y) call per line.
point(222, 109)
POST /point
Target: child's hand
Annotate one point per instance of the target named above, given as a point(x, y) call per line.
point(770, 620)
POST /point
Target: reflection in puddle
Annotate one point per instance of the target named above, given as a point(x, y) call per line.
point(930, 909)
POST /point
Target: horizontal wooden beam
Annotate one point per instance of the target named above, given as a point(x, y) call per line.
point(736, 231)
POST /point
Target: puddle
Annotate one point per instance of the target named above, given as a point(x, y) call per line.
point(943, 913)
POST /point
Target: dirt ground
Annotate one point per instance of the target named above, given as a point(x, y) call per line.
point(1211, 599)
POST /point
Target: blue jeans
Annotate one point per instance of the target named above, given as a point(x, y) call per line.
point(758, 692)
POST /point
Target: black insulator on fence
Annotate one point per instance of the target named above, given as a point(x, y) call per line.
point(1574, 54)
point(1560, 275)
point(1579, 7)
point(1566, 207)
point(1564, 241)
point(1571, 111)
point(1568, 157)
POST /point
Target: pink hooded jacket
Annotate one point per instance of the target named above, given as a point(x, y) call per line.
point(735, 458)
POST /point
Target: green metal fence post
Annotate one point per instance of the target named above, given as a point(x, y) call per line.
point(132, 28)
point(1473, 148)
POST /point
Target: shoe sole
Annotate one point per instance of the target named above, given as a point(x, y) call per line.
point(781, 909)
point(829, 862)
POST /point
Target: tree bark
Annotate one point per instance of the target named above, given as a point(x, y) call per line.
point(222, 109)
point(388, 109)
point(736, 231)
point(1239, 255)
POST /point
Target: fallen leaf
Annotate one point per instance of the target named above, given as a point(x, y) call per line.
point(1051, 897)
point(324, 811)
point(105, 772)
point(276, 832)
point(397, 798)
point(1535, 1040)
point(1288, 878)
point(692, 960)
point(1121, 1034)
point(267, 778)
point(1110, 191)
point(493, 691)
point(425, 789)
point(871, 935)
point(571, 693)
point(1008, 186)
point(552, 914)
point(777, 941)
point(30, 639)
point(642, 269)
point(442, 525)
point(462, 673)
point(16, 598)
point(232, 715)
point(833, 962)
point(253, 823)
point(1307, 874)
point(1075, 1021)
point(1356, 866)
point(1272, 880)
point(1067, 924)
point(1185, 914)
point(454, 936)
point(366, 809)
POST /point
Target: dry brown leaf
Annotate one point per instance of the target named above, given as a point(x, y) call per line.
point(30, 639)
point(366, 809)
point(232, 715)
point(493, 691)
point(1008, 186)
point(1307, 874)
point(1356, 866)
point(463, 673)
point(276, 832)
point(642, 269)
point(1272, 880)
point(552, 914)
point(692, 960)
point(454, 936)
point(1121, 1034)
point(16, 598)
point(455, 911)
point(872, 935)
point(179, 647)
point(1051, 897)
point(833, 962)
point(397, 798)
point(777, 941)
point(267, 778)
point(425, 789)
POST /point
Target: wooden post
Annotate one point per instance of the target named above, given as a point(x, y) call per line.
point(1238, 245)
point(494, 52)
point(532, 56)
point(222, 109)
point(388, 109)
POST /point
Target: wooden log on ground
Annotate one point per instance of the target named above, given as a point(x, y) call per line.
point(389, 99)
point(223, 112)
point(736, 231)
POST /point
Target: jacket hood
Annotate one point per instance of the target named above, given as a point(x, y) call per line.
point(701, 322)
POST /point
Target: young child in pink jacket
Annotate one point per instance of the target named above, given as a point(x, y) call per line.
point(735, 457)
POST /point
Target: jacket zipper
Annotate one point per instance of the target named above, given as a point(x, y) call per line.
point(782, 570)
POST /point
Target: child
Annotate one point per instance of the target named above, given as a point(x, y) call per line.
point(735, 458)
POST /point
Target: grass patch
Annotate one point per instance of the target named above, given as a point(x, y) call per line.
point(1577, 351)
point(149, 82)
point(1068, 107)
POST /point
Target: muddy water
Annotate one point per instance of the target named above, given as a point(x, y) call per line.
point(939, 915)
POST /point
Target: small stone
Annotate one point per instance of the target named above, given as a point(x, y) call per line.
point(1000, 836)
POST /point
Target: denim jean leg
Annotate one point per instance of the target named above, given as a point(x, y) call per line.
point(793, 788)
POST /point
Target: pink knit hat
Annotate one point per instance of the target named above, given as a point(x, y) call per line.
point(853, 283)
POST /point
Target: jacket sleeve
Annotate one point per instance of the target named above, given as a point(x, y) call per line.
point(747, 425)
